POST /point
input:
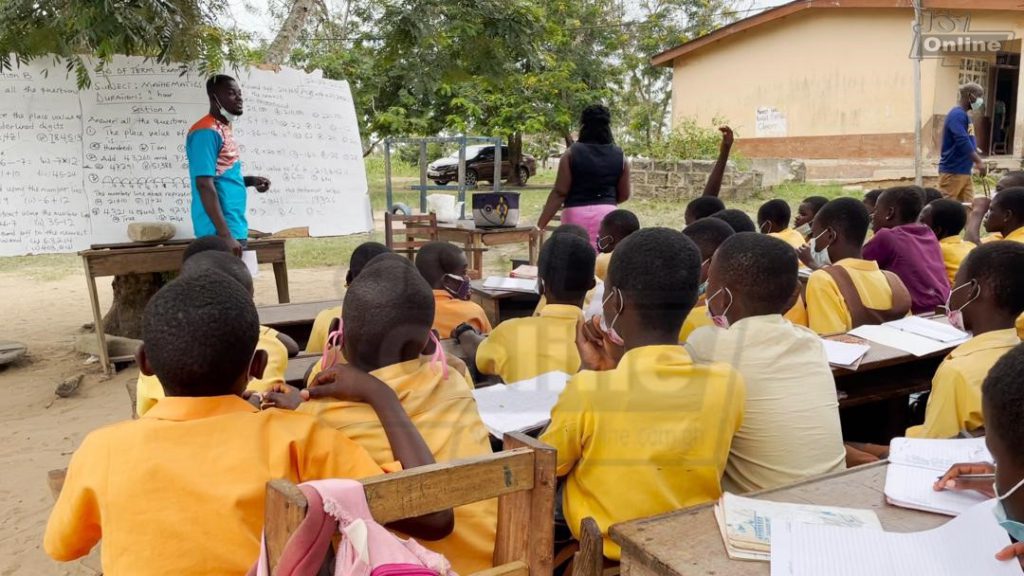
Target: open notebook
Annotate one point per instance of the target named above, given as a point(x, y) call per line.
point(519, 406)
point(963, 546)
point(914, 466)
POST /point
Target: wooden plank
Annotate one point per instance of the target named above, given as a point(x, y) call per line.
point(295, 373)
point(437, 487)
point(55, 480)
point(589, 561)
point(97, 320)
point(511, 569)
point(525, 526)
point(285, 510)
point(163, 257)
point(294, 314)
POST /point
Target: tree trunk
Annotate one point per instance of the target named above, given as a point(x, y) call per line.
point(515, 157)
point(131, 294)
point(567, 136)
point(286, 38)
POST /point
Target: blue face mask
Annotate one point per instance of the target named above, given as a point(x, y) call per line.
point(1013, 528)
point(702, 289)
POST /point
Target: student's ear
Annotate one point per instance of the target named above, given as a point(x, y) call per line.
point(258, 365)
point(143, 361)
point(793, 298)
point(348, 278)
point(592, 284)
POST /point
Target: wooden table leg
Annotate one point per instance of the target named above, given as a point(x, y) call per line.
point(477, 263)
point(97, 319)
point(491, 306)
point(281, 278)
point(535, 247)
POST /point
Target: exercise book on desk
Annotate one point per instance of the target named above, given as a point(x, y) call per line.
point(845, 354)
point(914, 466)
point(501, 283)
point(746, 523)
point(902, 340)
point(964, 546)
point(519, 406)
point(930, 329)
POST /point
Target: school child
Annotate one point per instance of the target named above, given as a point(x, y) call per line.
point(702, 207)
point(445, 269)
point(736, 219)
point(388, 312)
point(946, 218)
point(707, 234)
point(907, 248)
point(773, 219)
point(626, 435)
point(931, 195)
point(1013, 179)
point(148, 390)
point(1003, 402)
point(181, 490)
point(871, 199)
point(805, 214)
point(322, 324)
point(848, 291)
point(615, 227)
point(987, 299)
point(791, 426)
point(708, 202)
point(524, 348)
point(1003, 217)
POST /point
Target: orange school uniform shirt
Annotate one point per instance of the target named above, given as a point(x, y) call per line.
point(449, 312)
point(181, 490)
point(445, 413)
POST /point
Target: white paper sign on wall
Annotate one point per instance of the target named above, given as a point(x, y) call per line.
point(771, 123)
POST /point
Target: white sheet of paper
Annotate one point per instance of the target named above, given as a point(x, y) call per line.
point(520, 405)
point(249, 259)
point(915, 464)
point(511, 284)
point(965, 545)
point(937, 454)
point(844, 354)
point(931, 329)
point(909, 343)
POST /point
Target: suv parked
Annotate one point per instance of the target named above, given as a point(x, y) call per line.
point(479, 166)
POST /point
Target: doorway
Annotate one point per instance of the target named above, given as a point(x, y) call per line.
point(1004, 78)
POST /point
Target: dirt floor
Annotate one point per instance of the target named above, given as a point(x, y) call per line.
point(42, 430)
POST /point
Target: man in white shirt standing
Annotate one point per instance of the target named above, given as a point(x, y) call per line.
point(791, 427)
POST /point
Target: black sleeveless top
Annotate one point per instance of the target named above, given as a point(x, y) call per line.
point(596, 169)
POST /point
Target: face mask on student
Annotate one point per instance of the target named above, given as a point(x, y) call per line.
point(766, 227)
point(335, 342)
point(609, 327)
point(719, 320)
point(820, 253)
point(702, 289)
point(458, 286)
point(956, 317)
point(604, 242)
point(804, 229)
point(978, 104)
point(224, 112)
point(1014, 528)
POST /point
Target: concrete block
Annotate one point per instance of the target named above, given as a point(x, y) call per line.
point(150, 231)
point(657, 178)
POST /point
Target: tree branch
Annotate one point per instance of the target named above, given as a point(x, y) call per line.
point(289, 33)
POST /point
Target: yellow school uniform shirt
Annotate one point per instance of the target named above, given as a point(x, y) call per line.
point(954, 250)
point(791, 237)
point(827, 312)
point(955, 401)
point(149, 391)
point(524, 348)
point(181, 490)
point(321, 329)
point(1017, 236)
point(601, 265)
point(698, 318)
point(445, 413)
point(449, 312)
point(648, 437)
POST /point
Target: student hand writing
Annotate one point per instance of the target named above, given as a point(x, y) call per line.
point(597, 351)
point(281, 396)
point(346, 383)
point(951, 479)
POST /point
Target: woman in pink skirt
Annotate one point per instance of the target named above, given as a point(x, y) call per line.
point(593, 176)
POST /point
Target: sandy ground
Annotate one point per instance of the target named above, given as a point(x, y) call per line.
point(40, 430)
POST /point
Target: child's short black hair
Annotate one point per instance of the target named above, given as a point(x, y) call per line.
point(775, 211)
point(907, 200)
point(573, 229)
point(621, 222)
point(948, 215)
point(566, 267)
point(848, 217)
point(200, 332)
point(1013, 179)
point(815, 202)
point(657, 270)
point(204, 244)
point(871, 196)
point(736, 219)
point(216, 80)
point(1003, 398)
point(388, 306)
point(708, 234)
point(1012, 199)
point(704, 206)
point(361, 256)
point(760, 270)
point(931, 195)
point(999, 265)
point(226, 263)
point(435, 259)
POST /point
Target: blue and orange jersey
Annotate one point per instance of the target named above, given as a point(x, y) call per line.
point(213, 152)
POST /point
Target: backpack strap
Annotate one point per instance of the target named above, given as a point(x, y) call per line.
point(860, 314)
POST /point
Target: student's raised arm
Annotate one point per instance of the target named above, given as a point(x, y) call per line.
point(714, 185)
point(349, 384)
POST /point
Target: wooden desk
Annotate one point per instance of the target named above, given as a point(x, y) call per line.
point(500, 305)
point(475, 239)
point(140, 258)
point(295, 319)
point(689, 543)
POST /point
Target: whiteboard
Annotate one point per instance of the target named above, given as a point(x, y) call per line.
point(76, 167)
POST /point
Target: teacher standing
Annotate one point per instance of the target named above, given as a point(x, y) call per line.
point(218, 187)
point(960, 147)
point(593, 176)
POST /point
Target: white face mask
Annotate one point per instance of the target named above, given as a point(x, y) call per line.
point(609, 327)
point(956, 317)
point(1013, 527)
point(804, 229)
point(978, 104)
point(719, 320)
point(820, 253)
point(766, 227)
point(224, 112)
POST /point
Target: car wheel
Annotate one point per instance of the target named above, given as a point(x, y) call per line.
point(441, 182)
point(524, 175)
point(471, 178)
